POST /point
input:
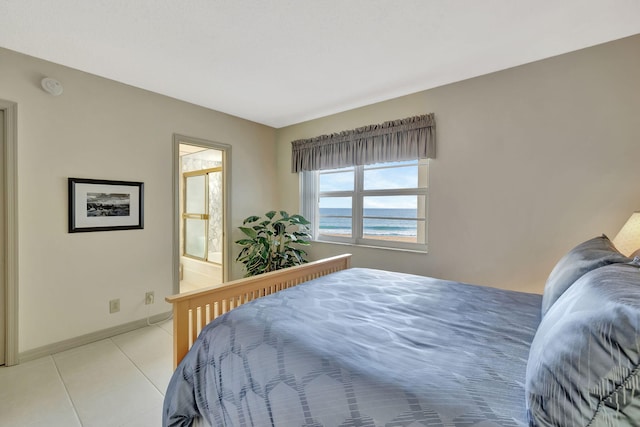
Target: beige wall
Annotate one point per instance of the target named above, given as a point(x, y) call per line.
point(531, 161)
point(101, 129)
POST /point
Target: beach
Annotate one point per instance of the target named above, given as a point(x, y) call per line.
point(407, 239)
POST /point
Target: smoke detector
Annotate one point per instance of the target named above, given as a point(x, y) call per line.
point(51, 86)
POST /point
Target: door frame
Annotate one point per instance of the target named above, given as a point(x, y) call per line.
point(9, 283)
point(226, 201)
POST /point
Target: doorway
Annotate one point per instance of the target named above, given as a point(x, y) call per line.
point(201, 206)
point(2, 239)
point(8, 234)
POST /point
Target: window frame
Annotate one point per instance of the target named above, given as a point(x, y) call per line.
point(310, 196)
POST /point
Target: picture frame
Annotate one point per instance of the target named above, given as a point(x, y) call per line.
point(105, 205)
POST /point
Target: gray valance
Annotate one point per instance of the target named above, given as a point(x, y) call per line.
point(407, 139)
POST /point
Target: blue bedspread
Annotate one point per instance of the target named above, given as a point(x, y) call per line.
point(362, 347)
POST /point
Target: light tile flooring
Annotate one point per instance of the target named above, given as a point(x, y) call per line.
point(118, 381)
point(192, 282)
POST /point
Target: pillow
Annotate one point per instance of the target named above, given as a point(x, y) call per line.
point(585, 257)
point(584, 361)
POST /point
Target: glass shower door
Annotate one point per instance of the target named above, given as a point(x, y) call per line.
point(196, 216)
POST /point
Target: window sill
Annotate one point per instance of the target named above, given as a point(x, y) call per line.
point(367, 246)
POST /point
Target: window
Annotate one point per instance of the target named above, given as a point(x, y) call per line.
point(383, 204)
point(368, 186)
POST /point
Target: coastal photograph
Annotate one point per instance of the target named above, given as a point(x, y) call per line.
point(108, 204)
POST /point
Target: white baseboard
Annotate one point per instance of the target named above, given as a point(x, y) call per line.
point(57, 347)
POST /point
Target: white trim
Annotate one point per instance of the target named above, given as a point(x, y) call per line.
point(11, 227)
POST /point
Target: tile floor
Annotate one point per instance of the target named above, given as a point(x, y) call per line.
point(193, 281)
point(118, 381)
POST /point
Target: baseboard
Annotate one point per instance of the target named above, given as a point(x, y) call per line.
point(57, 347)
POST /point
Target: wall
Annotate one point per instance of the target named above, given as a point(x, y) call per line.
point(102, 129)
point(530, 161)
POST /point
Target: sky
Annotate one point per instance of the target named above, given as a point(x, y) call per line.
point(385, 178)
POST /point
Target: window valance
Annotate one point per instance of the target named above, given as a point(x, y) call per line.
point(397, 140)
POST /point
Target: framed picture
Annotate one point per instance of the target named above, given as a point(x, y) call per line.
point(101, 205)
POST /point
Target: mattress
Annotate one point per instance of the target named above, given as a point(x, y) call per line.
point(362, 347)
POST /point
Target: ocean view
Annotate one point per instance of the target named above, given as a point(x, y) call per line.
point(330, 223)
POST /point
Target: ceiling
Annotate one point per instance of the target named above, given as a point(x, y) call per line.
point(281, 62)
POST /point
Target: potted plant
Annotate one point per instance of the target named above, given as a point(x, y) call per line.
point(273, 243)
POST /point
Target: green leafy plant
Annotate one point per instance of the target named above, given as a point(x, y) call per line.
point(273, 243)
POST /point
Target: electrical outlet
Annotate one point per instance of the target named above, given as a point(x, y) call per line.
point(149, 298)
point(114, 305)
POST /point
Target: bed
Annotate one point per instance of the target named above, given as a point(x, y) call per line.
point(346, 346)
